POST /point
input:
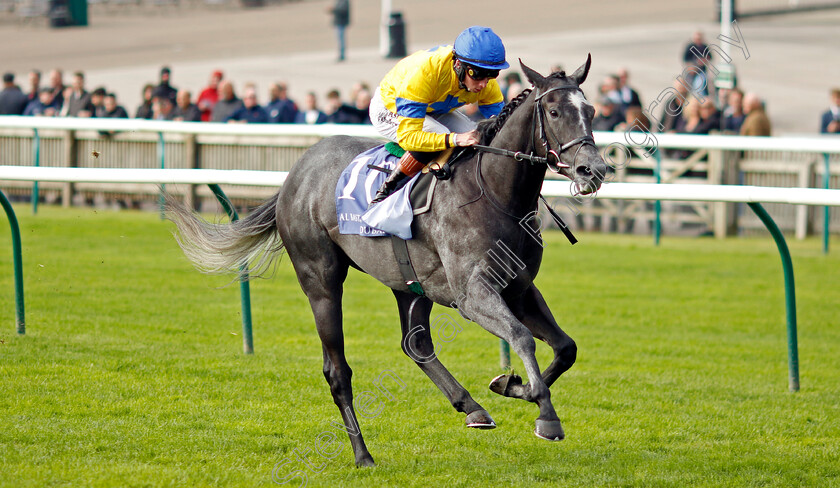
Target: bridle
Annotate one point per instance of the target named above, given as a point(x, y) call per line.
point(538, 121)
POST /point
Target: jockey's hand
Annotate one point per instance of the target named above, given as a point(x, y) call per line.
point(467, 138)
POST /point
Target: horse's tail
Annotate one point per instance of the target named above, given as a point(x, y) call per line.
point(247, 247)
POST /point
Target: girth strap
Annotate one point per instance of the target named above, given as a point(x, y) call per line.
point(404, 263)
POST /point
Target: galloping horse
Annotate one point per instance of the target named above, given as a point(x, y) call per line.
point(479, 209)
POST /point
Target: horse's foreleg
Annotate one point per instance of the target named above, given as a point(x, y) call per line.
point(534, 313)
point(417, 344)
point(485, 305)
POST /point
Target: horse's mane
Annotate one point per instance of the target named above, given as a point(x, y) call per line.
point(487, 129)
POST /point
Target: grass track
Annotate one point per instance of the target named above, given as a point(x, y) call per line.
point(131, 371)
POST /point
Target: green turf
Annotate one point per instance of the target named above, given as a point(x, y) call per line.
point(131, 372)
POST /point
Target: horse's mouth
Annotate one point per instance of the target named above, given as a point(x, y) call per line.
point(586, 186)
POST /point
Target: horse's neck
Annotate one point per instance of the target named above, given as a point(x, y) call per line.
point(514, 184)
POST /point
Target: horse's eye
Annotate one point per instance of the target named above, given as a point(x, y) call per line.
point(553, 113)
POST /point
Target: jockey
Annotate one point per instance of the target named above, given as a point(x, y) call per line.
point(415, 102)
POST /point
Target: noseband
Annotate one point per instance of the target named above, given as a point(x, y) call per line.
point(539, 120)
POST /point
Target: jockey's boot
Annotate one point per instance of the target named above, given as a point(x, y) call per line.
point(407, 167)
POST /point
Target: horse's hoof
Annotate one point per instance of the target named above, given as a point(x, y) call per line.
point(365, 462)
point(480, 419)
point(550, 430)
point(503, 383)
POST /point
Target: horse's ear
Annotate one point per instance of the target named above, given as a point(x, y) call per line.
point(535, 78)
point(580, 74)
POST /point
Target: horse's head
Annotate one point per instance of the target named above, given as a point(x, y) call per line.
point(564, 127)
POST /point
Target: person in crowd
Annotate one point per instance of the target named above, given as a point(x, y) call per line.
point(472, 112)
point(41, 106)
point(227, 104)
point(34, 86)
point(340, 11)
point(362, 103)
point(721, 98)
point(162, 106)
point(635, 120)
point(97, 103)
point(698, 43)
point(830, 122)
point(672, 108)
point(209, 96)
point(111, 109)
point(733, 114)
point(12, 100)
point(607, 115)
point(416, 101)
point(709, 117)
point(513, 91)
point(250, 112)
point(511, 79)
point(144, 111)
point(696, 56)
point(78, 99)
point(609, 89)
point(185, 110)
point(627, 96)
point(339, 112)
point(756, 122)
point(690, 120)
point(165, 87)
point(311, 114)
point(57, 89)
point(281, 109)
point(357, 87)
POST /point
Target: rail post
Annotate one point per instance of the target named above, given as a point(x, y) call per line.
point(161, 150)
point(790, 294)
point(20, 321)
point(244, 284)
point(657, 205)
point(36, 161)
point(504, 355)
point(826, 209)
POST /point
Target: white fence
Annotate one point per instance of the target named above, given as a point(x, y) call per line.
point(614, 191)
point(713, 160)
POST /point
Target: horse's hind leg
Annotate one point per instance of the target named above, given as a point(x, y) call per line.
point(534, 313)
point(417, 344)
point(321, 276)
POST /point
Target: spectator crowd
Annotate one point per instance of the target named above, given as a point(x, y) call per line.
point(692, 105)
point(217, 102)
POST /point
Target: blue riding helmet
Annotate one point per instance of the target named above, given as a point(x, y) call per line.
point(481, 47)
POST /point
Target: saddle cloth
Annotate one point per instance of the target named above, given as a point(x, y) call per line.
point(358, 184)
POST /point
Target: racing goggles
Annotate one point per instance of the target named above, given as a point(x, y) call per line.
point(481, 74)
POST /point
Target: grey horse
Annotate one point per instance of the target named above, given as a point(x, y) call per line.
point(482, 211)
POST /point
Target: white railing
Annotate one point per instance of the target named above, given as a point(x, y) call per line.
point(800, 162)
point(172, 127)
point(554, 188)
point(822, 144)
